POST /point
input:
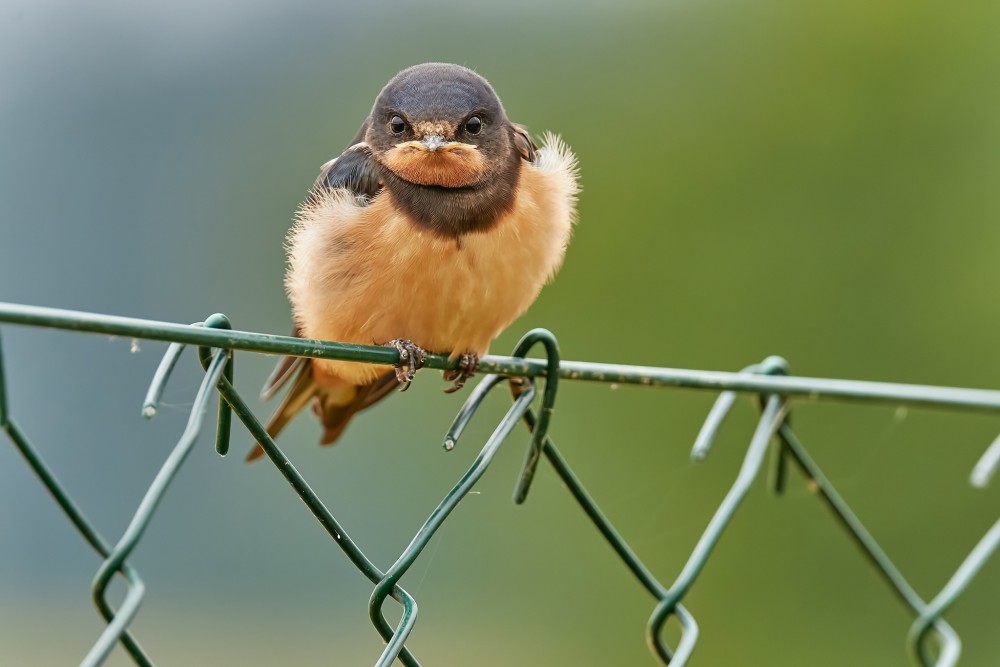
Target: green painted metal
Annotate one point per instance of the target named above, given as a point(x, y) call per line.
point(117, 622)
point(930, 617)
point(768, 381)
point(76, 517)
point(774, 414)
point(951, 645)
point(790, 447)
point(986, 466)
point(541, 428)
point(441, 512)
point(984, 400)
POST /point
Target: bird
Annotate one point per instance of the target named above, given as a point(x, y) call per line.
point(433, 231)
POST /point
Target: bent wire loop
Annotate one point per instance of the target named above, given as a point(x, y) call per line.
point(437, 517)
point(541, 442)
point(85, 528)
point(768, 380)
point(231, 401)
point(928, 616)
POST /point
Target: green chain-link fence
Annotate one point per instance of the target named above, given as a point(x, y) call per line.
point(769, 381)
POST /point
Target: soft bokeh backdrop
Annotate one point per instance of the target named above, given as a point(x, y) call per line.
point(817, 180)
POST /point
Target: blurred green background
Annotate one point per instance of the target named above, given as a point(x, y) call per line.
point(817, 180)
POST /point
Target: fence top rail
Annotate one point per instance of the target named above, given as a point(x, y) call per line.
point(983, 400)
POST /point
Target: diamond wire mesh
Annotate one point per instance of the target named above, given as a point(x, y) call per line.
point(772, 437)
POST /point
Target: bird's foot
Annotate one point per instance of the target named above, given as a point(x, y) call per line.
point(411, 359)
point(467, 366)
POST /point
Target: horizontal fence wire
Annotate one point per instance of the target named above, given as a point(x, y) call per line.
point(931, 640)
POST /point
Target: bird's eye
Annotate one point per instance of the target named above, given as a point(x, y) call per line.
point(474, 125)
point(397, 125)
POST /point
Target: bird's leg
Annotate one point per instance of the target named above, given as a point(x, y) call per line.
point(467, 365)
point(411, 359)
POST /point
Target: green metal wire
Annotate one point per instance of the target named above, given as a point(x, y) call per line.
point(951, 645)
point(230, 401)
point(986, 466)
point(118, 621)
point(980, 400)
point(931, 615)
point(73, 512)
point(720, 410)
point(468, 409)
point(689, 626)
point(426, 532)
point(575, 487)
point(159, 383)
point(320, 511)
point(768, 381)
point(541, 428)
point(774, 413)
point(225, 418)
point(234, 402)
point(789, 447)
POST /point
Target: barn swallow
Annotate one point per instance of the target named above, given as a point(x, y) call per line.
point(434, 230)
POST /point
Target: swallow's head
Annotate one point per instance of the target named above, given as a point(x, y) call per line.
point(442, 125)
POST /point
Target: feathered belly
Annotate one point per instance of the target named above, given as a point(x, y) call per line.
point(367, 275)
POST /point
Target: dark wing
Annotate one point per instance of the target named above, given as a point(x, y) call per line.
point(523, 143)
point(301, 393)
point(334, 413)
point(333, 405)
point(354, 170)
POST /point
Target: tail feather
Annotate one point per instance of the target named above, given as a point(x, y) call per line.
point(335, 417)
point(287, 368)
point(302, 391)
point(333, 405)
